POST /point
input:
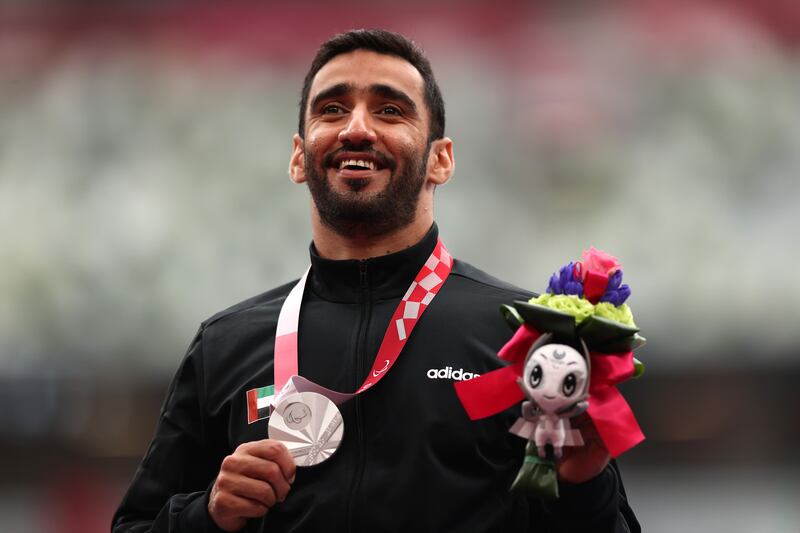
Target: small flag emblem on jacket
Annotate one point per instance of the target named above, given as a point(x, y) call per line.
point(258, 403)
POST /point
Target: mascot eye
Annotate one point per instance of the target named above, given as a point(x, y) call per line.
point(536, 376)
point(568, 388)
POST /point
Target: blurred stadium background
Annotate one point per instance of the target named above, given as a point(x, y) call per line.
point(143, 186)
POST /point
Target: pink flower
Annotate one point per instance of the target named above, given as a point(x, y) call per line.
point(595, 260)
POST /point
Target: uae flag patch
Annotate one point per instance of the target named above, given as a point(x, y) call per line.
point(258, 403)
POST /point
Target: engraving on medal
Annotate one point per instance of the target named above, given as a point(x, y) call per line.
point(297, 415)
point(309, 424)
point(318, 446)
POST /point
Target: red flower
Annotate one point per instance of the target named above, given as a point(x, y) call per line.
point(594, 260)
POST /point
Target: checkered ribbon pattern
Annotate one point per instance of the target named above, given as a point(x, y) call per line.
point(418, 297)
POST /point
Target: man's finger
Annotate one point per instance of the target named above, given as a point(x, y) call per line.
point(256, 490)
point(268, 472)
point(229, 511)
point(275, 451)
point(238, 506)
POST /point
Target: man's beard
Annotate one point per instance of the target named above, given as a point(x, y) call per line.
point(353, 213)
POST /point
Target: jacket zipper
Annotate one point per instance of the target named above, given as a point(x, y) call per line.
point(366, 311)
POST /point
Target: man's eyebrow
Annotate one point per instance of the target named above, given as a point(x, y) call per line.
point(335, 91)
point(379, 89)
point(389, 92)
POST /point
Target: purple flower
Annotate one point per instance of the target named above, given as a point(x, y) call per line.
point(614, 281)
point(565, 282)
point(574, 287)
point(554, 287)
point(616, 293)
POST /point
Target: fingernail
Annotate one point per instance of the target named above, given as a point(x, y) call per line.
point(292, 480)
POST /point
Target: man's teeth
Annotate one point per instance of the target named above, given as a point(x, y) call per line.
point(357, 163)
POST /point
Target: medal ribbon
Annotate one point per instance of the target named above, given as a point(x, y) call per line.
point(416, 300)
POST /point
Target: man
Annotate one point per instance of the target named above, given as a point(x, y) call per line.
point(371, 148)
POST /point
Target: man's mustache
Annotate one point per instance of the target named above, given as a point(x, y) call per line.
point(384, 160)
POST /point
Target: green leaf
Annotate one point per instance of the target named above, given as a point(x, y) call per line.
point(597, 331)
point(536, 477)
point(625, 344)
point(638, 368)
point(512, 316)
point(546, 320)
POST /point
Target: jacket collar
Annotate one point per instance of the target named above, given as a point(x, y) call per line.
point(384, 277)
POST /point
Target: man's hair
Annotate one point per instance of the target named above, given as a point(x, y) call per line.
point(382, 42)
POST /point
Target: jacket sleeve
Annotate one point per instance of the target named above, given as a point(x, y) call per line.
point(169, 492)
point(598, 506)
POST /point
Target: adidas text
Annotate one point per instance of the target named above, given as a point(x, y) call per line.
point(448, 373)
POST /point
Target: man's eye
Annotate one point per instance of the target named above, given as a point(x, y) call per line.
point(390, 110)
point(331, 109)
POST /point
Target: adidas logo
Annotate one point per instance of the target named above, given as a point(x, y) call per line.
point(448, 373)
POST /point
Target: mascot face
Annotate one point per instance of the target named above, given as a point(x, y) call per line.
point(555, 376)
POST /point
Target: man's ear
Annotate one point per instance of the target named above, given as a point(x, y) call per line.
point(440, 161)
point(297, 168)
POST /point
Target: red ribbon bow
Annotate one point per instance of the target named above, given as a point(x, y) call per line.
point(496, 391)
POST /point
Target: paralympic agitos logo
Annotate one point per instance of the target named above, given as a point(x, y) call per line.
point(448, 373)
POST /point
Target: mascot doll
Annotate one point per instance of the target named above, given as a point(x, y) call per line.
point(571, 347)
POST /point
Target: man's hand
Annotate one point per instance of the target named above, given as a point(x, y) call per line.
point(254, 478)
point(582, 463)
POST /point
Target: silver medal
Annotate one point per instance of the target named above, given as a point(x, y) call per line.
point(309, 424)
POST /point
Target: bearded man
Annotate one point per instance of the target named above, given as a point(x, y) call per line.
point(371, 147)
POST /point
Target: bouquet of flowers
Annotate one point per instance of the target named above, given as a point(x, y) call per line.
point(572, 346)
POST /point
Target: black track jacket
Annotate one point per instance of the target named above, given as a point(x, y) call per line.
point(410, 460)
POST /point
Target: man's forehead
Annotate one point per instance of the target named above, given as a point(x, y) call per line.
point(364, 69)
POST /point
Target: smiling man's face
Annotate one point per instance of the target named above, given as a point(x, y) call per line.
point(365, 148)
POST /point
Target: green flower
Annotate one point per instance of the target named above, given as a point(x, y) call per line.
point(577, 307)
point(581, 308)
point(620, 314)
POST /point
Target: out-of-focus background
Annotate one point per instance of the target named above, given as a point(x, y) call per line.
point(143, 187)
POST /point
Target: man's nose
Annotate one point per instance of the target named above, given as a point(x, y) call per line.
point(358, 129)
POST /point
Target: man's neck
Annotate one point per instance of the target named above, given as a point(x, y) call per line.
point(332, 245)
